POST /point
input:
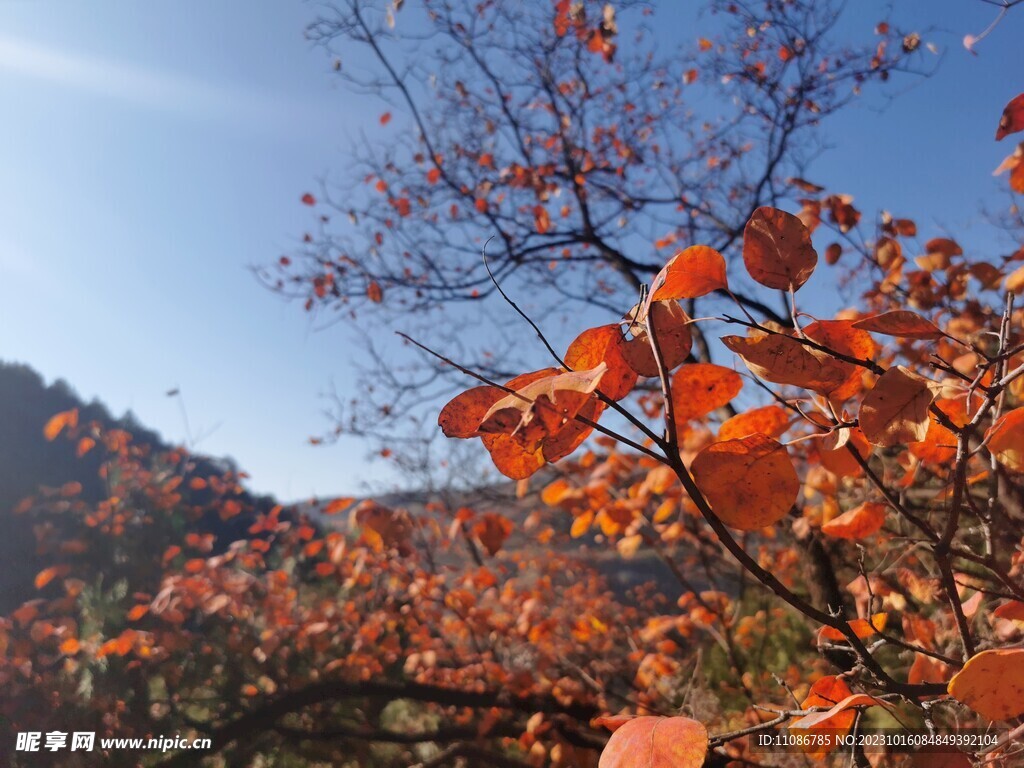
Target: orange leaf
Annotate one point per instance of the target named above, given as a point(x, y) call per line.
point(334, 506)
point(770, 420)
point(603, 344)
point(137, 612)
point(492, 530)
point(902, 323)
point(611, 722)
point(524, 431)
point(700, 388)
point(461, 417)
point(777, 249)
point(926, 669)
point(1012, 119)
point(571, 436)
point(895, 411)
point(656, 742)
point(542, 407)
point(402, 205)
point(1012, 610)
point(308, 199)
point(839, 461)
point(992, 684)
point(690, 274)
point(59, 421)
point(672, 332)
point(85, 445)
point(581, 524)
point(511, 458)
point(70, 646)
point(839, 717)
point(541, 219)
point(1006, 440)
point(857, 523)
point(433, 175)
point(827, 691)
point(382, 527)
point(784, 360)
point(72, 488)
point(385, 118)
point(861, 628)
point(374, 292)
point(313, 548)
point(555, 492)
point(47, 575)
point(939, 444)
point(749, 482)
point(843, 337)
point(1015, 281)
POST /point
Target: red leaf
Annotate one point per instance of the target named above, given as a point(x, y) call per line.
point(603, 344)
point(690, 274)
point(902, 323)
point(656, 742)
point(857, 523)
point(58, 422)
point(334, 506)
point(492, 530)
point(777, 249)
point(1012, 119)
point(47, 575)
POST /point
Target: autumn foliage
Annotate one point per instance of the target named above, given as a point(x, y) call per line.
point(831, 499)
point(902, 427)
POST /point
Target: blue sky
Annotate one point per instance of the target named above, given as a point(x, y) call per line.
point(153, 152)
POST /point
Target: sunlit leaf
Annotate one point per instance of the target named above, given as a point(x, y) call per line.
point(1012, 119)
point(671, 331)
point(604, 344)
point(656, 742)
point(992, 684)
point(777, 249)
point(784, 360)
point(857, 523)
point(895, 411)
point(750, 482)
point(700, 388)
point(1006, 440)
point(861, 628)
point(59, 422)
point(902, 323)
point(690, 274)
point(770, 420)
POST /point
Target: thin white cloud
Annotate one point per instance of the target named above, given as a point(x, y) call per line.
point(137, 85)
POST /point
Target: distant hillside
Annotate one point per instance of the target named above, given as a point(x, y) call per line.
point(621, 574)
point(28, 461)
